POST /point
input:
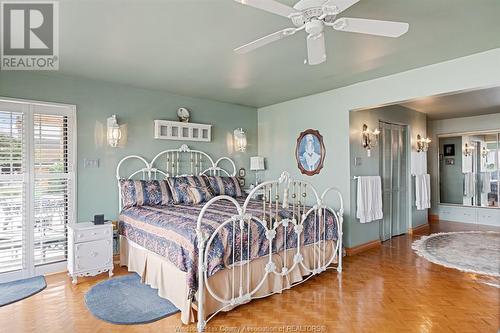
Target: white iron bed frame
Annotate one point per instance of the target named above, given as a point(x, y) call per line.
point(294, 198)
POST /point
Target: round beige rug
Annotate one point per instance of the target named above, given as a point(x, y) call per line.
point(468, 251)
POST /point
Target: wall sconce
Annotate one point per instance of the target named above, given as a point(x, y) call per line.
point(114, 133)
point(484, 153)
point(369, 139)
point(240, 140)
point(422, 144)
point(468, 149)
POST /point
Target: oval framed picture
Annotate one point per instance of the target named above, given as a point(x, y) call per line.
point(310, 152)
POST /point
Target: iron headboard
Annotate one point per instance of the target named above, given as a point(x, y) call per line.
point(178, 162)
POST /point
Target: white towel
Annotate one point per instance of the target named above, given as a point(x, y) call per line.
point(469, 184)
point(418, 163)
point(486, 182)
point(423, 191)
point(466, 164)
point(369, 199)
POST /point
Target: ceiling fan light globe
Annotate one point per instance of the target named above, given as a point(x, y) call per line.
point(314, 27)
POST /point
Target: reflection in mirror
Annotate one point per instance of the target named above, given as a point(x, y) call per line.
point(468, 169)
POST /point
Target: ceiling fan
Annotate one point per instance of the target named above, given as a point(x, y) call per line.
point(312, 16)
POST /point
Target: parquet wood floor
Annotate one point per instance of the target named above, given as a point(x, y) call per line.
point(388, 289)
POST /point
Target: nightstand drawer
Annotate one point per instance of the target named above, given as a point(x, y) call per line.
point(84, 235)
point(94, 254)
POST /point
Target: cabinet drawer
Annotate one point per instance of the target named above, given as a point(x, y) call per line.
point(458, 214)
point(93, 255)
point(489, 216)
point(91, 234)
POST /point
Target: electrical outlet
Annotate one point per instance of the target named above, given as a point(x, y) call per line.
point(90, 163)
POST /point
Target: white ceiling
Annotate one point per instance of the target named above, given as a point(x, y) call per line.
point(465, 104)
point(185, 46)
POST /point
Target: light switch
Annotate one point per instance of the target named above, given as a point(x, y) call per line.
point(90, 163)
point(357, 161)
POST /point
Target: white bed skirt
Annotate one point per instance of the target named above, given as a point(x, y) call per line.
point(171, 282)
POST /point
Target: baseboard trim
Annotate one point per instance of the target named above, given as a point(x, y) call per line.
point(433, 218)
point(419, 230)
point(350, 251)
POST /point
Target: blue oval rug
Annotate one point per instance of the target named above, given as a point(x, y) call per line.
point(125, 300)
point(14, 291)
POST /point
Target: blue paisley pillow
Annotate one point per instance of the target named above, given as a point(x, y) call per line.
point(182, 192)
point(199, 194)
point(225, 186)
point(144, 193)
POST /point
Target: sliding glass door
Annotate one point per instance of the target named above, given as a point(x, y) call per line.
point(37, 186)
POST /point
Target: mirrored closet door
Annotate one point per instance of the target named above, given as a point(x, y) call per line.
point(469, 169)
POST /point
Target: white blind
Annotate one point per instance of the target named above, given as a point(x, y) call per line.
point(12, 190)
point(37, 186)
point(52, 186)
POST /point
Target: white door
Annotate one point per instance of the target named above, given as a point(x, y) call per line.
point(37, 186)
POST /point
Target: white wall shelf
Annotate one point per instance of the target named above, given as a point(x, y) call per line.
point(176, 130)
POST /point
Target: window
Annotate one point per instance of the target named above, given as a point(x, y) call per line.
point(37, 186)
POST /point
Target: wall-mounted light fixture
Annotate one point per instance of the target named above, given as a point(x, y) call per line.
point(484, 153)
point(114, 133)
point(240, 140)
point(468, 149)
point(369, 139)
point(422, 144)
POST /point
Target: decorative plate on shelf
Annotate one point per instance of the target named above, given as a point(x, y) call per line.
point(183, 115)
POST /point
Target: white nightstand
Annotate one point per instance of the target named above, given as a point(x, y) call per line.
point(90, 249)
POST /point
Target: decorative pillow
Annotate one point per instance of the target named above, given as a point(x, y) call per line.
point(179, 186)
point(199, 194)
point(144, 193)
point(225, 186)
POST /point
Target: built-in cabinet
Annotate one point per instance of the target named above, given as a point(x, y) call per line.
point(474, 215)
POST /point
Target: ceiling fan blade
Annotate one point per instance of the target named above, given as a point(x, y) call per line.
point(371, 27)
point(340, 5)
point(316, 53)
point(265, 40)
point(271, 6)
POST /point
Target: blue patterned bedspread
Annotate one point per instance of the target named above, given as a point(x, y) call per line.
point(170, 232)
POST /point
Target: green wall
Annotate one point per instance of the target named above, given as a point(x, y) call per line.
point(135, 109)
point(451, 176)
point(417, 123)
point(280, 124)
